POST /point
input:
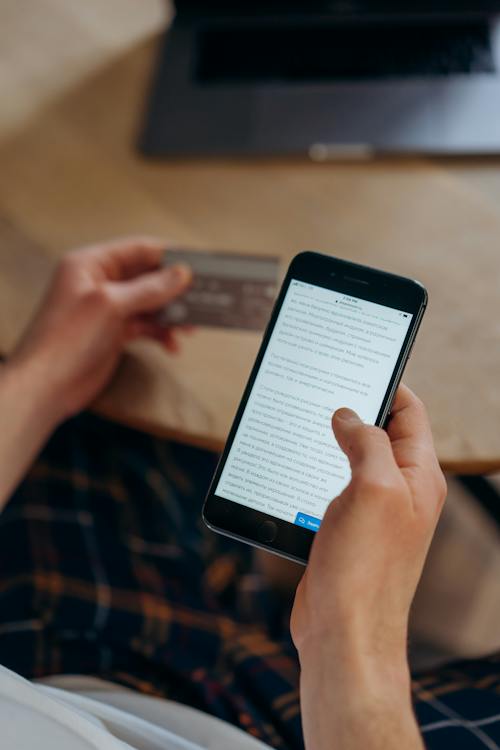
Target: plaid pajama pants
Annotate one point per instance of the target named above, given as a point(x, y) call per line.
point(106, 569)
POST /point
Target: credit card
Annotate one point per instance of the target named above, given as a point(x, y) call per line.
point(229, 290)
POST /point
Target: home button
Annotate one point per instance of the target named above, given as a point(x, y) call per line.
point(267, 532)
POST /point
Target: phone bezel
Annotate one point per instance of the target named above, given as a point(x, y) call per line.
point(245, 524)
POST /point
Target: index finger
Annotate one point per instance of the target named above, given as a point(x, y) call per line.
point(125, 258)
point(410, 432)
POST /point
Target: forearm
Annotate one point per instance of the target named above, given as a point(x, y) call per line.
point(353, 700)
point(28, 415)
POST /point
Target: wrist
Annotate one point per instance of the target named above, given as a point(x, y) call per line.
point(356, 640)
point(357, 665)
point(356, 695)
point(28, 418)
point(26, 382)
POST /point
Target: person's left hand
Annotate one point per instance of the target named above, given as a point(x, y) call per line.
point(100, 297)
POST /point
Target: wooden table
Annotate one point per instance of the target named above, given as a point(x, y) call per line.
point(73, 78)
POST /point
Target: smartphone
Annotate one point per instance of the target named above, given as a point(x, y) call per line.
point(340, 335)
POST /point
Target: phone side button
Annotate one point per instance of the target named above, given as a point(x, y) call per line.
point(267, 532)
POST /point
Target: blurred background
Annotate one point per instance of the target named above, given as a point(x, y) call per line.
point(364, 128)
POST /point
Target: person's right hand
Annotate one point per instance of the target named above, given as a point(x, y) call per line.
point(350, 617)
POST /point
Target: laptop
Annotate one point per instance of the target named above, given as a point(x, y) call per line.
point(329, 78)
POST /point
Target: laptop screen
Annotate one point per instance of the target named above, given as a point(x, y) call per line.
point(344, 7)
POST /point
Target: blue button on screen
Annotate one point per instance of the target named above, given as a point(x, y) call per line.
point(307, 522)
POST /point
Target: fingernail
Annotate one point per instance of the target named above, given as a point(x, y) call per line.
point(346, 415)
point(178, 274)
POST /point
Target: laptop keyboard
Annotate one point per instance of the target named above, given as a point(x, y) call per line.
point(260, 54)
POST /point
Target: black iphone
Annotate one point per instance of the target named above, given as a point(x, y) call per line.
point(340, 335)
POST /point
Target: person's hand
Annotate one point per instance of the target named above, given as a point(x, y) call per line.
point(100, 297)
point(350, 616)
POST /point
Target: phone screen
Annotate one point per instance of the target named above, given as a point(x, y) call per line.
point(327, 350)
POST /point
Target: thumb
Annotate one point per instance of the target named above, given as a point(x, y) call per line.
point(368, 448)
point(150, 291)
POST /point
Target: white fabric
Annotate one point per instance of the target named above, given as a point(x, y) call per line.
point(81, 713)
